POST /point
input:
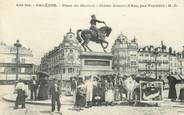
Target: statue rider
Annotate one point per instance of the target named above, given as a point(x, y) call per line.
point(93, 24)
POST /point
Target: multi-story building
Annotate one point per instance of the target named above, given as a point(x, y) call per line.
point(125, 55)
point(159, 61)
point(8, 63)
point(63, 62)
point(148, 60)
point(180, 58)
point(154, 60)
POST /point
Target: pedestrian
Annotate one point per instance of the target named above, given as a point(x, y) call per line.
point(21, 94)
point(130, 85)
point(122, 90)
point(160, 79)
point(55, 95)
point(172, 89)
point(109, 94)
point(80, 94)
point(33, 85)
point(97, 91)
point(43, 89)
point(74, 88)
point(181, 95)
point(89, 91)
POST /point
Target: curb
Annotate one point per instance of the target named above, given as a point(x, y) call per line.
point(33, 102)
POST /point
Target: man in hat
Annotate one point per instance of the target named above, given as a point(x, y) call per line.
point(33, 87)
point(55, 95)
point(93, 24)
point(172, 89)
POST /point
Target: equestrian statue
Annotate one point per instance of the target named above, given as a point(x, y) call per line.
point(94, 34)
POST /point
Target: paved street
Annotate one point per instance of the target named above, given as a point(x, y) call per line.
point(6, 108)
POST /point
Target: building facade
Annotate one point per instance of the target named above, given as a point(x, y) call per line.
point(63, 62)
point(67, 59)
point(8, 63)
point(149, 60)
point(153, 61)
point(159, 61)
point(125, 58)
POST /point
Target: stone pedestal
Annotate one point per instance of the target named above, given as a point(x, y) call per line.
point(96, 63)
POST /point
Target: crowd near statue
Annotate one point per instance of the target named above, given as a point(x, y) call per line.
point(109, 89)
point(97, 90)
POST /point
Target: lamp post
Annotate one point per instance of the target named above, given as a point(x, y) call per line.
point(156, 54)
point(148, 64)
point(17, 45)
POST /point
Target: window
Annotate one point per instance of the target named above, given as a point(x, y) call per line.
point(22, 70)
point(63, 70)
point(1, 69)
point(133, 55)
point(27, 70)
point(133, 62)
point(165, 55)
point(23, 60)
point(141, 54)
point(70, 70)
point(13, 60)
point(146, 55)
point(152, 55)
point(13, 70)
point(71, 51)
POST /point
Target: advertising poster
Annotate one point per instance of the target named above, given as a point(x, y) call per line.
point(151, 91)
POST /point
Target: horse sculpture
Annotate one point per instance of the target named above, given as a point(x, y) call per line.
point(85, 36)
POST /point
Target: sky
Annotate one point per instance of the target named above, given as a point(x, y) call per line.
point(43, 28)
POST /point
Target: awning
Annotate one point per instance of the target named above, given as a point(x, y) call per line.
point(42, 73)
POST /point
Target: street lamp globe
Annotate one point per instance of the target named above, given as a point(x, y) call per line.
point(17, 45)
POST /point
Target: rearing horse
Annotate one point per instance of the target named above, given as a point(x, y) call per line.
point(87, 35)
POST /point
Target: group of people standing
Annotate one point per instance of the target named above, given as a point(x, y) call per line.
point(172, 82)
point(96, 90)
point(106, 89)
point(46, 89)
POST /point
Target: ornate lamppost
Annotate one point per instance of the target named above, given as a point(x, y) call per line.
point(148, 64)
point(156, 54)
point(17, 45)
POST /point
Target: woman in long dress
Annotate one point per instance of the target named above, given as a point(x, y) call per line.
point(80, 95)
point(109, 94)
point(89, 91)
point(43, 92)
point(172, 89)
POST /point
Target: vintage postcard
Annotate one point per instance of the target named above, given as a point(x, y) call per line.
point(96, 57)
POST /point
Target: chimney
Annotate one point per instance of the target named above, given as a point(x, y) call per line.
point(170, 50)
point(162, 46)
point(174, 52)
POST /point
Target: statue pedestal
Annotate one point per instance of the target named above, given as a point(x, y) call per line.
point(96, 63)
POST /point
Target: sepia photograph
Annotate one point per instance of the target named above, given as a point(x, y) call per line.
point(92, 57)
